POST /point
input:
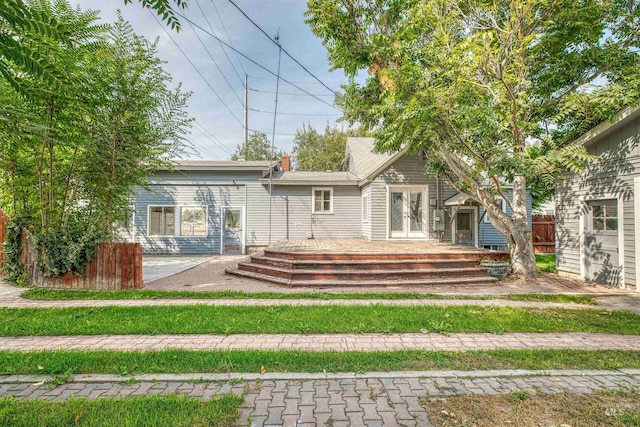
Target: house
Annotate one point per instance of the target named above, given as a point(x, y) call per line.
point(224, 207)
point(597, 214)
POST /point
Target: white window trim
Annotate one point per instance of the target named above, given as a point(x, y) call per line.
point(178, 221)
point(206, 220)
point(313, 200)
point(365, 208)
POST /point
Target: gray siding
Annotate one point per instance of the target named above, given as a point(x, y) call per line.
point(291, 216)
point(610, 178)
point(488, 235)
point(214, 197)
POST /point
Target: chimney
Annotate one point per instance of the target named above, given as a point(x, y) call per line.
point(286, 163)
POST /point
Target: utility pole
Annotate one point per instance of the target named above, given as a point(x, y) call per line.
point(273, 135)
point(246, 109)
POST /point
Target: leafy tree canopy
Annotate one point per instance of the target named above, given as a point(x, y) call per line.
point(257, 147)
point(475, 84)
point(70, 159)
point(313, 151)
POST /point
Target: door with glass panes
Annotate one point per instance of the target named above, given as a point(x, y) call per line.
point(406, 213)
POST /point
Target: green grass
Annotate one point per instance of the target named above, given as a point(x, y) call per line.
point(130, 411)
point(59, 295)
point(183, 361)
point(546, 263)
point(203, 319)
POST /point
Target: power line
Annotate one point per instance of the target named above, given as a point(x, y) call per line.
point(216, 64)
point(220, 44)
point(254, 62)
point(224, 28)
point(283, 49)
point(279, 134)
point(301, 83)
point(203, 130)
point(293, 114)
point(284, 93)
point(196, 68)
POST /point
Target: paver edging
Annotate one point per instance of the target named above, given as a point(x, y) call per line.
point(271, 376)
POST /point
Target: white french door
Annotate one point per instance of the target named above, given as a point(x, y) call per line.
point(406, 213)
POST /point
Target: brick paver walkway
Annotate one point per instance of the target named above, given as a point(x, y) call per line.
point(340, 401)
point(327, 342)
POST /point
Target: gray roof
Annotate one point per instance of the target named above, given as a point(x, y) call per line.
point(362, 159)
point(221, 164)
point(305, 178)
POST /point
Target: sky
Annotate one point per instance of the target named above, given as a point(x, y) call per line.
point(216, 132)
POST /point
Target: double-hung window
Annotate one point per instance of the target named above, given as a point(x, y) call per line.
point(162, 221)
point(365, 208)
point(501, 203)
point(322, 200)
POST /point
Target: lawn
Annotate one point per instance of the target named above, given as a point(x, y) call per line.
point(131, 411)
point(615, 409)
point(546, 263)
point(59, 295)
point(203, 319)
point(64, 362)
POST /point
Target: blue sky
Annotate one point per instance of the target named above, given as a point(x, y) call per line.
point(285, 16)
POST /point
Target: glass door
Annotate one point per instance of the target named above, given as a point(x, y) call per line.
point(465, 228)
point(406, 213)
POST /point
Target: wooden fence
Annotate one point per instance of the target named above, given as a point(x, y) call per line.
point(4, 221)
point(114, 266)
point(543, 233)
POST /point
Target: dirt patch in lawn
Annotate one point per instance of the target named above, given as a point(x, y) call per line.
point(536, 410)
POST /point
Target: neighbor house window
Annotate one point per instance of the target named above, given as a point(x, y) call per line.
point(365, 208)
point(501, 203)
point(193, 221)
point(604, 215)
point(162, 221)
point(322, 200)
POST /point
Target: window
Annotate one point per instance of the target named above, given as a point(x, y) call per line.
point(323, 200)
point(604, 215)
point(162, 221)
point(193, 221)
point(501, 203)
point(365, 208)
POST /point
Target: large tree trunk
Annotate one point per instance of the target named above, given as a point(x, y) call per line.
point(523, 259)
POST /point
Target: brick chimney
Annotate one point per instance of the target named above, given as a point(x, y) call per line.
point(286, 163)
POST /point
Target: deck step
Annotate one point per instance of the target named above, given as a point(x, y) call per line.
point(313, 274)
point(449, 281)
point(362, 264)
point(381, 256)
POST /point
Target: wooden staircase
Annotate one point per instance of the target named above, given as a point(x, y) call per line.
point(328, 269)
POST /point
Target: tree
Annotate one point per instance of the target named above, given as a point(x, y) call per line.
point(475, 84)
point(69, 160)
point(313, 151)
point(257, 147)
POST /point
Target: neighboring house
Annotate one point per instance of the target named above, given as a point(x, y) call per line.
point(214, 207)
point(597, 215)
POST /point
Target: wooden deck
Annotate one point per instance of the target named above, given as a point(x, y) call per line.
point(356, 262)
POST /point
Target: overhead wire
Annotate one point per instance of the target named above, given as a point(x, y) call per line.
point(255, 24)
point(209, 135)
point(216, 64)
point(196, 68)
point(294, 114)
point(220, 44)
point(255, 62)
point(285, 93)
point(224, 28)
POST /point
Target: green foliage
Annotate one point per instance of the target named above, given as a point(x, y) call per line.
point(314, 151)
point(70, 159)
point(257, 147)
point(67, 248)
point(13, 269)
point(164, 10)
point(491, 92)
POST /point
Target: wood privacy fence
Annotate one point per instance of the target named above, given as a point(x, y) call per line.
point(4, 221)
point(114, 266)
point(543, 233)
